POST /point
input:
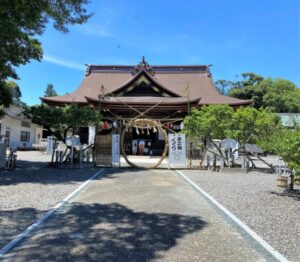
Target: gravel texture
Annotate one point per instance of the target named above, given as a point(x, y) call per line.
point(137, 216)
point(31, 189)
point(257, 201)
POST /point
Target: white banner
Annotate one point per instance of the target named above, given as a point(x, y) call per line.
point(177, 149)
point(50, 144)
point(115, 157)
point(92, 133)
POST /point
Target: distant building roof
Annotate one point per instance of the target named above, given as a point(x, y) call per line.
point(288, 119)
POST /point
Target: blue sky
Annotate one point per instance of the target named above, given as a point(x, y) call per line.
point(235, 36)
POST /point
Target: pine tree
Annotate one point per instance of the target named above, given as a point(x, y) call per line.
point(50, 91)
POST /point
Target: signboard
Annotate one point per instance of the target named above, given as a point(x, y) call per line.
point(73, 141)
point(92, 133)
point(115, 152)
point(50, 144)
point(177, 149)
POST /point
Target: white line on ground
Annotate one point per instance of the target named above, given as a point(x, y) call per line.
point(41, 220)
point(268, 248)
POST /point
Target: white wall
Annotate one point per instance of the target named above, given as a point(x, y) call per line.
point(14, 125)
point(38, 134)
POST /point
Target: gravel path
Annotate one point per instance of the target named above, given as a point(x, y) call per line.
point(31, 189)
point(257, 201)
point(137, 216)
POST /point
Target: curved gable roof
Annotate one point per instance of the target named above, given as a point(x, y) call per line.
point(150, 78)
point(172, 79)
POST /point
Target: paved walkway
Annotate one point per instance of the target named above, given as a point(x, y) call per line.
point(136, 215)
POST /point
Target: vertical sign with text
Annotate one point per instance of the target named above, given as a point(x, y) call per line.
point(92, 133)
point(50, 144)
point(177, 149)
point(115, 158)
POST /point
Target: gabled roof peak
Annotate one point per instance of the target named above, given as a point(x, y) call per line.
point(143, 66)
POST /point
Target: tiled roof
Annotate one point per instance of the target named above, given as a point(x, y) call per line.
point(173, 78)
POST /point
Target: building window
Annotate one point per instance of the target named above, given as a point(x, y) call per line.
point(25, 124)
point(25, 136)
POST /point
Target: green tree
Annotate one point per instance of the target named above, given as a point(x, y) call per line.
point(250, 79)
point(10, 93)
point(207, 124)
point(282, 96)
point(246, 125)
point(250, 125)
point(276, 95)
point(15, 92)
point(248, 88)
point(223, 86)
point(286, 144)
point(5, 98)
point(59, 120)
point(21, 22)
point(50, 91)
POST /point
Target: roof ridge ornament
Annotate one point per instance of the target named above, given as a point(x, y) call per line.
point(143, 66)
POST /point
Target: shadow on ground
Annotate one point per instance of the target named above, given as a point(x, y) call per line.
point(295, 194)
point(13, 222)
point(41, 172)
point(108, 232)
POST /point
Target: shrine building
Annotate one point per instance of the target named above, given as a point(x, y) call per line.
point(164, 93)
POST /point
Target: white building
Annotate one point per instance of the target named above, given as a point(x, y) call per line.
point(17, 130)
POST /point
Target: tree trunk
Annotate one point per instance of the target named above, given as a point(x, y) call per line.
point(292, 176)
point(247, 156)
point(220, 152)
point(202, 157)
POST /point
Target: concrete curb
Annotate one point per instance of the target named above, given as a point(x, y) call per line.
point(269, 251)
point(41, 220)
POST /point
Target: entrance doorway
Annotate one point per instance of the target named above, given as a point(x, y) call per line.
point(147, 142)
point(141, 138)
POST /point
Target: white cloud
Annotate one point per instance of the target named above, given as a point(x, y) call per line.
point(101, 24)
point(63, 62)
point(100, 31)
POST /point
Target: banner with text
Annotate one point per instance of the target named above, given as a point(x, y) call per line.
point(177, 149)
point(50, 144)
point(115, 159)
